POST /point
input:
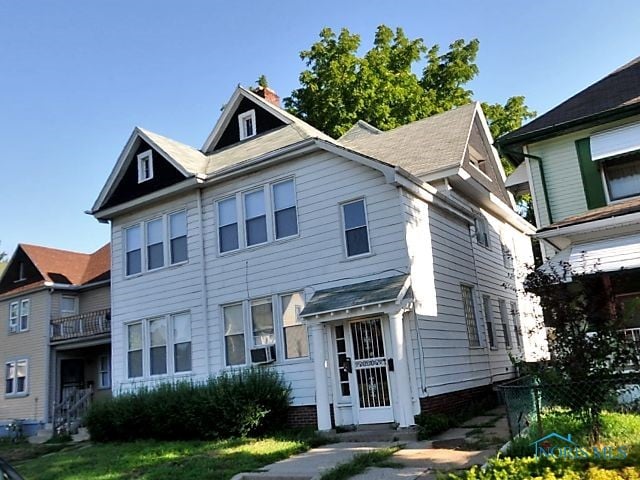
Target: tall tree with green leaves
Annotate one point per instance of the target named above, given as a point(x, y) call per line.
point(339, 86)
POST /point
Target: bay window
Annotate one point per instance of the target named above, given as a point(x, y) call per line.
point(228, 225)
point(284, 209)
point(178, 237)
point(155, 244)
point(255, 217)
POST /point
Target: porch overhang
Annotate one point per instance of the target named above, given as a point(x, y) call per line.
point(358, 298)
point(602, 256)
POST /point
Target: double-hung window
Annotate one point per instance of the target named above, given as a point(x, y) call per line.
point(356, 231)
point(68, 306)
point(482, 231)
point(270, 321)
point(284, 209)
point(488, 318)
point(159, 346)
point(235, 351)
point(265, 213)
point(262, 322)
point(296, 342)
point(255, 214)
point(228, 225)
point(145, 166)
point(470, 316)
point(133, 240)
point(623, 176)
point(163, 238)
point(155, 244)
point(504, 316)
point(104, 371)
point(16, 377)
point(178, 237)
point(19, 315)
point(247, 124)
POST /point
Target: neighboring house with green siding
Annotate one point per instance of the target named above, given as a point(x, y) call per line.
point(581, 163)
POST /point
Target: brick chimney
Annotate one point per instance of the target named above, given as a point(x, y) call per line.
point(268, 94)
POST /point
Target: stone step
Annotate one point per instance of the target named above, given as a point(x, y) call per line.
point(376, 433)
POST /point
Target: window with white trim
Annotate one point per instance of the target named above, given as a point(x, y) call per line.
point(264, 220)
point(19, 312)
point(255, 214)
point(294, 331)
point(16, 377)
point(504, 316)
point(470, 316)
point(104, 371)
point(159, 346)
point(265, 321)
point(163, 237)
point(285, 213)
point(145, 166)
point(356, 230)
point(247, 124)
point(488, 319)
point(482, 231)
point(155, 244)
point(68, 306)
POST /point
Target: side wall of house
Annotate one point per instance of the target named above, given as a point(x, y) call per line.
point(30, 345)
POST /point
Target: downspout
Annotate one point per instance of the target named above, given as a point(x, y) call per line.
point(545, 193)
point(203, 284)
point(47, 359)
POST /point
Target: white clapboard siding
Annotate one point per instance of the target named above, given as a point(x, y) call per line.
point(164, 291)
point(313, 260)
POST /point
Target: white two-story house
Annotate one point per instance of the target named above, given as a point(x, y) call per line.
point(378, 272)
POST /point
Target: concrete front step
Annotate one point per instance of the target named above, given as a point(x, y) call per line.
point(377, 433)
point(41, 437)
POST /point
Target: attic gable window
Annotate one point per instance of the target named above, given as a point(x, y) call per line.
point(247, 124)
point(145, 166)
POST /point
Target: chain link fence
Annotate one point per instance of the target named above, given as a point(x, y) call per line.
point(535, 405)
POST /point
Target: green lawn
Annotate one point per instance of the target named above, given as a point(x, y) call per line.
point(151, 460)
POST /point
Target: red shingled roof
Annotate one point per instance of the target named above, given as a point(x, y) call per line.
point(64, 266)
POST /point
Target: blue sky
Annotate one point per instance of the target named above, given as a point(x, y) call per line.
point(77, 76)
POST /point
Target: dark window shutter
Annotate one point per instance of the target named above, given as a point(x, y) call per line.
point(591, 179)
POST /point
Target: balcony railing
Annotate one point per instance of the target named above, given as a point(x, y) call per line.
point(81, 326)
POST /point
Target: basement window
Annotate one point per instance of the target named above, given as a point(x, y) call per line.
point(145, 166)
point(247, 124)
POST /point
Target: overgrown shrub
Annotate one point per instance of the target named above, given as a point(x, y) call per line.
point(253, 401)
point(430, 424)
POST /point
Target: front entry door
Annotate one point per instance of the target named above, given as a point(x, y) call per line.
point(71, 377)
point(370, 372)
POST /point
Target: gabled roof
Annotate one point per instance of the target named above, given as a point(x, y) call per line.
point(434, 143)
point(618, 91)
point(67, 267)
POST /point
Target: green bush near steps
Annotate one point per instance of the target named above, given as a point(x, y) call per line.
point(237, 404)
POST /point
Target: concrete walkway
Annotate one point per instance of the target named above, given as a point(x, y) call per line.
point(473, 443)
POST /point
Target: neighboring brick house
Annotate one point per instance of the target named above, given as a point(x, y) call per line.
point(55, 341)
point(379, 273)
point(581, 163)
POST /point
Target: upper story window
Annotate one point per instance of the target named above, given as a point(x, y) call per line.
point(258, 220)
point(164, 238)
point(356, 230)
point(145, 166)
point(19, 312)
point(16, 377)
point(159, 346)
point(622, 176)
point(247, 124)
point(68, 306)
point(470, 316)
point(21, 274)
point(478, 160)
point(482, 231)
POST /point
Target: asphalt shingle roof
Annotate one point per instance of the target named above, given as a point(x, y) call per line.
point(619, 89)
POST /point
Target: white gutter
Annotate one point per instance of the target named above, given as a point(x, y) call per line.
point(591, 226)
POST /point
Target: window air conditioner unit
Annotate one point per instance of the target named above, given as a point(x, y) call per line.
point(263, 354)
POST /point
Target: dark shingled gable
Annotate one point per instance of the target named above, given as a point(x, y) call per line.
point(355, 295)
point(620, 90)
